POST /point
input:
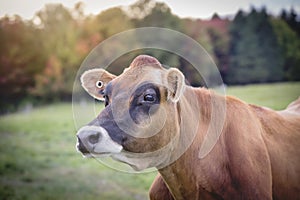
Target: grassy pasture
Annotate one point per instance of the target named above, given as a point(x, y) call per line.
point(276, 96)
point(38, 159)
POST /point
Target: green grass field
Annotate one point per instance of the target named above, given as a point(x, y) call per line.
point(276, 96)
point(38, 159)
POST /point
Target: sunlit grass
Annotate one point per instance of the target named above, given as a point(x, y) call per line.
point(38, 159)
point(276, 96)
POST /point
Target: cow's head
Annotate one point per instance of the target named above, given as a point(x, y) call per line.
point(140, 124)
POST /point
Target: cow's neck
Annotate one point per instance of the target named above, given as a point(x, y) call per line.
point(180, 176)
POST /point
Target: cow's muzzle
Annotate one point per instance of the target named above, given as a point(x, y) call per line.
point(94, 140)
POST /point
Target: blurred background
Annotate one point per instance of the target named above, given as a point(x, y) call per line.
point(255, 45)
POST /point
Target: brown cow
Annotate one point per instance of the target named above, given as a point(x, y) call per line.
point(153, 119)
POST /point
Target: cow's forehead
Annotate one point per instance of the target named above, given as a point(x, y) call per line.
point(132, 78)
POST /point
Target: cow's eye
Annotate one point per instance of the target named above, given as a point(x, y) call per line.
point(149, 98)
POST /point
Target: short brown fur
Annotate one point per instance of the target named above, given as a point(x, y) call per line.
point(257, 155)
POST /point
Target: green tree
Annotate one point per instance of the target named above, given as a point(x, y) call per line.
point(60, 35)
point(108, 23)
point(155, 14)
point(292, 19)
point(219, 38)
point(289, 44)
point(20, 59)
point(255, 52)
point(112, 21)
point(198, 30)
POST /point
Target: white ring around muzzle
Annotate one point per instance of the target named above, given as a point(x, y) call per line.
point(104, 145)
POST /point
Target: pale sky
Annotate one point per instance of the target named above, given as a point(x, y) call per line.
point(184, 8)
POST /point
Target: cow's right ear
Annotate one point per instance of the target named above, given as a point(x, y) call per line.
point(94, 82)
point(175, 84)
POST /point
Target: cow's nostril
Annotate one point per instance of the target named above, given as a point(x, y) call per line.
point(81, 147)
point(93, 139)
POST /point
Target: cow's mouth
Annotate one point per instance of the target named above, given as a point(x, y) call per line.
point(96, 155)
point(92, 154)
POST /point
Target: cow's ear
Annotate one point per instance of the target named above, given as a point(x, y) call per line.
point(175, 84)
point(94, 82)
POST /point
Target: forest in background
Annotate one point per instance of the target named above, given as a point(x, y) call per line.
point(39, 58)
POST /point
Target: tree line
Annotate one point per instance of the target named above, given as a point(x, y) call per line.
point(40, 57)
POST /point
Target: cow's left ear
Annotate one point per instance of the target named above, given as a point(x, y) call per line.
point(175, 84)
point(94, 82)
